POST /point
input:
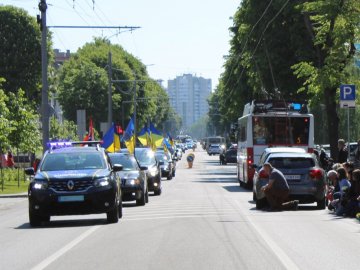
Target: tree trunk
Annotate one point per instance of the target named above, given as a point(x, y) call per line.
point(333, 121)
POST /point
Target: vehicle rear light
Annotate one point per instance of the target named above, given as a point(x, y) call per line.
point(250, 156)
point(263, 174)
point(310, 150)
point(316, 174)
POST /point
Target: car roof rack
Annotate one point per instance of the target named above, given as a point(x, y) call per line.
point(52, 145)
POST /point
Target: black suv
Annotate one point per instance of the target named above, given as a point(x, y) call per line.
point(74, 180)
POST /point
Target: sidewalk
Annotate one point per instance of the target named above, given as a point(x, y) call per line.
point(16, 195)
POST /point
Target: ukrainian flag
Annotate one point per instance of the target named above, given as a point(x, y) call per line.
point(171, 140)
point(156, 137)
point(129, 136)
point(111, 140)
point(144, 136)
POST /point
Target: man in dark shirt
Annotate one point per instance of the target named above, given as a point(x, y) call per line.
point(277, 190)
point(343, 153)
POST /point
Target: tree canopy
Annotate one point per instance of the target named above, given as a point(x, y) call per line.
point(83, 84)
point(20, 53)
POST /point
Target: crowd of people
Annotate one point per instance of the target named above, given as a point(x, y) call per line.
point(343, 193)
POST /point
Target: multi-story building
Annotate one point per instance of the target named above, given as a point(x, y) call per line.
point(188, 96)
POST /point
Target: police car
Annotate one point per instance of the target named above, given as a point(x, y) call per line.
point(73, 180)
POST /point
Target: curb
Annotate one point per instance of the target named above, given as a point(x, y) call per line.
point(19, 195)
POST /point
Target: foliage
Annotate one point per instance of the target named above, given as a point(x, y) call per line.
point(65, 130)
point(20, 54)
point(13, 181)
point(83, 84)
point(5, 127)
point(25, 135)
point(287, 50)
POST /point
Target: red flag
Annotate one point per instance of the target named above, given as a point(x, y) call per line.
point(90, 135)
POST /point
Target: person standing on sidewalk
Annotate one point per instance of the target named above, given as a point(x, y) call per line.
point(277, 190)
point(343, 152)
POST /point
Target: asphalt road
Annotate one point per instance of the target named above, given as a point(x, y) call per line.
point(203, 220)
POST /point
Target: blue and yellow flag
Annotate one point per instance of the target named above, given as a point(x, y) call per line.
point(144, 136)
point(111, 140)
point(171, 140)
point(156, 137)
point(129, 136)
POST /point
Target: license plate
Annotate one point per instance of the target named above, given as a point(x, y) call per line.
point(77, 198)
point(293, 177)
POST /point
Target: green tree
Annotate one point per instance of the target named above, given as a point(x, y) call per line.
point(25, 135)
point(5, 127)
point(65, 130)
point(20, 53)
point(333, 27)
point(83, 84)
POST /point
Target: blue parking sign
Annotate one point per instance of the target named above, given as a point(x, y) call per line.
point(347, 92)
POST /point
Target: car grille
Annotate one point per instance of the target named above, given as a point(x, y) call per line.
point(79, 185)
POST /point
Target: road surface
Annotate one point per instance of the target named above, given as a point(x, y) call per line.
point(202, 220)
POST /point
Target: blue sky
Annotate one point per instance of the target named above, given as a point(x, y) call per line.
point(188, 36)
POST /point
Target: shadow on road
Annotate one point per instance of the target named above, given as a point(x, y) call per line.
point(235, 188)
point(215, 180)
point(64, 223)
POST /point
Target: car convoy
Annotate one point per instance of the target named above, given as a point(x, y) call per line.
point(75, 180)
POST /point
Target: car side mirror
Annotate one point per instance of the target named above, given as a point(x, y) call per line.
point(117, 167)
point(29, 171)
point(144, 168)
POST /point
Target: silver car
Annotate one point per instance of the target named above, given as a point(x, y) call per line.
point(306, 179)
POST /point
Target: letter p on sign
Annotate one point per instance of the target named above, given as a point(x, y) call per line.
point(347, 92)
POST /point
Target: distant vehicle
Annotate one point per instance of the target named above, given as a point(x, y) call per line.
point(214, 140)
point(271, 123)
point(72, 181)
point(230, 156)
point(134, 184)
point(146, 157)
point(166, 164)
point(214, 149)
point(306, 179)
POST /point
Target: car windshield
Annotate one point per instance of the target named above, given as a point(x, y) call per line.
point(161, 157)
point(292, 162)
point(73, 161)
point(128, 162)
point(146, 158)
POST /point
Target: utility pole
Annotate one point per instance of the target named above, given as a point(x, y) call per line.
point(135, 124)
point(44, 70)
point(110, 114)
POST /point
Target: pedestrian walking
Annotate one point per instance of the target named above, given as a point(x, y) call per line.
point(343, 152)
point(277, 190)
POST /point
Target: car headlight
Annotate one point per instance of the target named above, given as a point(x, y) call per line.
point(40, 185)
point(102, 182)
point(135, 182)
point(153, 172)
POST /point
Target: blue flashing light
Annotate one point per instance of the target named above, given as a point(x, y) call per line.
point(296, 106)
point(56, 145)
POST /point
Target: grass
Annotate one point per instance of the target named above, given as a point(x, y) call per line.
point(9, 181)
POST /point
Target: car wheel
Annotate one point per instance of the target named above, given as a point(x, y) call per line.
point(173, 174)
point(120, 208)
point(35, 219)
point(157, 192)
point(169, 176)
point(113, 215)
point(321, 204)
point(147, 196)
point(261, 203)
point(254, 196)
point(142, 200)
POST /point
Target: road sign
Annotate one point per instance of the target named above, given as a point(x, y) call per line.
point(347, 95)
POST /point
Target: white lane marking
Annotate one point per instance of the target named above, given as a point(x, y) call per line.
point(49, 260)
point(280, 254)
point(176, 217)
